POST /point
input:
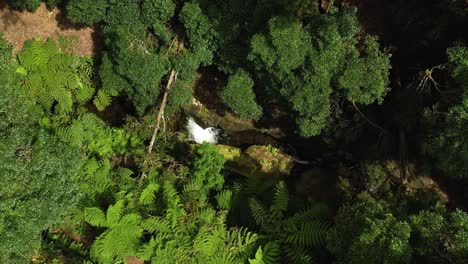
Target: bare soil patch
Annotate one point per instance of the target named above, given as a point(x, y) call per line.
point(18, 26)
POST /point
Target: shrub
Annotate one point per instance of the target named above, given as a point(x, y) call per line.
point(240, 97)
point(85, 11)
point(30, 5)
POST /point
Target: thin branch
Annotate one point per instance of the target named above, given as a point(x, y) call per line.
point(172, 77)
point(161, 110)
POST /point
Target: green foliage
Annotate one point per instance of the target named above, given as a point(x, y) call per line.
point(287, 239)
point(5, 50)
point(446, 138)
point(121, 239)
point(207, 165)
point(240, 97)
point(132, 66)
point(157, 11)
point(36, 167)
point(380, 176)
point(458, 57)
point(87, 12)
point(91, 133)
point(305, 63)
point(371, 86)
point(30, 5)
point(50, 76)
point(51, 4)
point(180, 95)
point(440, 236)
point(199, 32)
point(365, 224)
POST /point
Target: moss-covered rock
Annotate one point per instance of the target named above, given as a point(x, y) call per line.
point(259, 161)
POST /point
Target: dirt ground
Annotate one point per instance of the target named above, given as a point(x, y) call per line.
point(20, 26)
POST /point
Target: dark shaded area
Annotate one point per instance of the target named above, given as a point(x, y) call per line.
point(116, 113)
point(11, 19)
point(207, 89)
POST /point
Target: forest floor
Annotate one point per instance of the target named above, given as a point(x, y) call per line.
point(20, 26)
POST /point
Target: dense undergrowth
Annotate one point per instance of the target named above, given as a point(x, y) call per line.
point(77, 190)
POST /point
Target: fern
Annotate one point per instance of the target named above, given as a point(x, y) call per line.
point(259, 211)
point(49, 76)
point(147, 196)
point(307, 234)
point(95, 216)
point(280, 199)
point(156, 225)
point(224, 199)
point(114, 213)
point(242, 242)
point(121, 239)
point(271, 252)
point(102, 100)
point(298, 255)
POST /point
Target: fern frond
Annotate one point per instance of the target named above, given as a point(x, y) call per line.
point(114, 213)
point(124, 172)
point(298, 255)
point(280, 199)
point(84, 93)
point(224, 199)
point(242, 242)
point(156, 225)
point(102, 100)
point(258, 257)
point(307, 234)
point(316, 212)
point(272, 252)
point(95, 216)
point(208, 241)
point(206, 215)
point(259, 211)
point(146, 251)
point(102, 249)
point(148, 195)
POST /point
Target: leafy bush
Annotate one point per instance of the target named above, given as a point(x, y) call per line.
point(85, 11)
point(30, 5)
point(180, 95)
point(52, 3)
point(240, 97)
point(365, 224)
point(157, 11)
